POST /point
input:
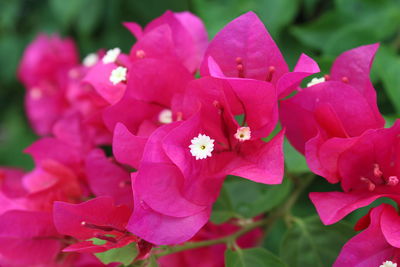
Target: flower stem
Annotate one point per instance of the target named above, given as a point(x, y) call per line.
point(267, 223)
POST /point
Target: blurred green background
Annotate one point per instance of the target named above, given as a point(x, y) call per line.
point(320, 28)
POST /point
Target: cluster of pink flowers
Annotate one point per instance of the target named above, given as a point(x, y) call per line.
point(175, 137)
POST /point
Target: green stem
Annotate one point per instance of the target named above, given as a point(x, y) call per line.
point(267, 223)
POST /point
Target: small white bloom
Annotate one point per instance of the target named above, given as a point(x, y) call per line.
point(36, 93)
point(201, 146)
point(315, 81)
point(118, 75)
point(388, 264)
point(111, 55)
point(243, 133)
point(90, 60)
point(165, 116)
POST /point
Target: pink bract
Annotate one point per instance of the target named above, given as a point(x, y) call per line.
point(376, 244)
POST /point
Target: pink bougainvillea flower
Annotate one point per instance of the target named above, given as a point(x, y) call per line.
point(368, 168)
point(152, 86)
point(196, 154)
point(44, 105)
point(211, 256)
point(51, 181)
point(107, 178)
point(156, 227)
point(10, 182)
point(108, 80)
point(244, 49)
point(47, 58)
point(11, 190)
point(57, 150)
point(343, 106)
point(173, 37)
point(28, 238)
point(376, 245)
point(97, 218)
point(44, 70)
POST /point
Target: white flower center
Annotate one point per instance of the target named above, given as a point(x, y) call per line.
point(111, 55)
point(388, 264)
point(201, 146)
point(118, 75)
point(243, 133)
point(315, 81)
point(90, 60)
point(165, 116)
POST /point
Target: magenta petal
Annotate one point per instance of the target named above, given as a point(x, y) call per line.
point(156, 81)
point(342, 104)
point(100, 211)
point(30, 232)
point(260, 105)
point(99, 78)
point(322, 155)
point(261, 162)
point(51, 148)
point(130, 112)
point(85, 246)
point(128, 148)
point(157, 43)
point(390, 224)
point(196, 28)
point(247, 38)
point(47, 58)
point(355, 64)
point(44, 106)
point(160, 186)
point(134, 28)
point(369, 248)
point(106, 178)
point(161, 229)
point(11, 182)
point(290, 81)
point(7, 203)
point(184, 31)
point(334, 206)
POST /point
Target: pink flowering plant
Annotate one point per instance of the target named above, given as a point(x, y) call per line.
point(187, 150)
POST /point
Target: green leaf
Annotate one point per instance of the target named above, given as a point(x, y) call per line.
point(252, 257)
point(295, 162)
point(15, 136)
point(387, 66)
point(338, 30)
point(124, 255)
point(222, 208)
point(257, 198)
point(67, 12)
point(370, 28)
point(88, 20)
point(316, 33)
point(276, 14)
point(309, 243)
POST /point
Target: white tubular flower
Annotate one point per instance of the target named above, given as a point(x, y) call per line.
point(90, 60)
point(111, 55)
point(315, 81)
point(388, 264)
point(201, 146)
point(243, 133)
point(118, 75)
point(165, 116)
